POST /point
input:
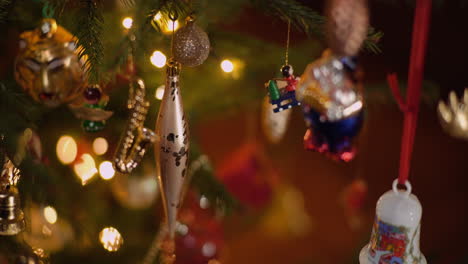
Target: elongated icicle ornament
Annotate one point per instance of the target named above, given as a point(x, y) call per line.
point(172, 150)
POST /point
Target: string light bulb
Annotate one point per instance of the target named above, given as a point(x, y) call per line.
point(106, 170)
point(86, 168)
point(50, 214)
point(171, 26)
point(127, 22)
point(66, 149)
point(110, 239)
point(100, 146)
point(227, 66)
point(158, 16)
point(158, 59)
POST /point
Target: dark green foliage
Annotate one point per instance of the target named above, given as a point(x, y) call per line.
point(206, 184)
point(4, 8)
point(308, 20)
point(18, 113)
point(90, 25)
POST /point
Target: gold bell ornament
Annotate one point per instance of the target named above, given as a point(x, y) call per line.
point(395, 234)
point(48, 66)
point(172, 149)
point(11, 216)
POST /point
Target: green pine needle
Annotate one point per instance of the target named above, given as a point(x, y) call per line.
point(308, 20)
point(89, 34)
point(4, 7)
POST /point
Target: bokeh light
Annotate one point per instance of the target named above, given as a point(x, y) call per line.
point(50, 214)
point(106, 170)
point(100, 146)
point(158, 16)
point(110, 239)
point(170, 26)
point(227, 66)
point(158, 59)
point(159, 92)
point(85, 169)
point(127, 22)
point(66, 149)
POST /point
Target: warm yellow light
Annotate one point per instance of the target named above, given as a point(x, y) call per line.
point(110, 239)
point(158, 59)
point(66, 149)
point(127, 22)
point(227, 66)
point(86, 168)
point(106, 170)
point(158, 16)
point(171, 26)
point(50, 214)
point(100, 146)
point(160, 92)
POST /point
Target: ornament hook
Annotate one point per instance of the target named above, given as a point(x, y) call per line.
point(397, 191)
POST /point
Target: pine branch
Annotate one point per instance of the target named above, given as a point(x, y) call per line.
point(4, 7)
point(177, 9)
point(128, 3)
point(204, 181)
point(308, 20)
point(18, 113)
point(58, 6)
point(89, 34)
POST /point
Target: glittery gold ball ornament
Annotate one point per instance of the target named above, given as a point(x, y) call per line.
point(191, 44)
point(48, 66)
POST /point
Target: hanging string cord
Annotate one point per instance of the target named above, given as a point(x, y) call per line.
point(286, 57)
point(410, 108)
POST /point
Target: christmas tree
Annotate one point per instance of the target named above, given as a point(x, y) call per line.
point(143, 130)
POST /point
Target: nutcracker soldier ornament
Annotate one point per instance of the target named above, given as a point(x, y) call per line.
point(282, 91)
point(281, 96)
